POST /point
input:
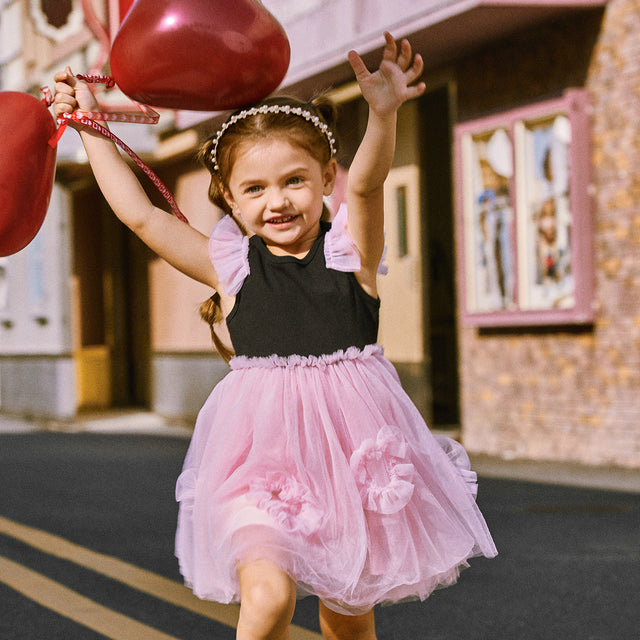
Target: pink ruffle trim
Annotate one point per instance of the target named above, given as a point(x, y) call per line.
point(340, 251)
point(288, 362)
point(229, 254)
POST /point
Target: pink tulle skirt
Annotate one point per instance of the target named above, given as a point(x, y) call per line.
point(325, 467)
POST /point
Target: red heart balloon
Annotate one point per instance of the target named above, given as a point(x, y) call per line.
point(201, 55)
point(27, 168)
point(124, 6)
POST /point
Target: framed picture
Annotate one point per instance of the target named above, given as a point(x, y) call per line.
point(523, 219)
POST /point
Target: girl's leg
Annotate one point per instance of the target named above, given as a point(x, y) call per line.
point(335, 626)
point(268, 599)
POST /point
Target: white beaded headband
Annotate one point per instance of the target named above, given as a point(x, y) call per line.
point(276, 108)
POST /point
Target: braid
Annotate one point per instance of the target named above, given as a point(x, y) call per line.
point(211, 313)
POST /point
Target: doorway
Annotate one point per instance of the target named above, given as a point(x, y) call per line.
point(128, 311)
point(110, 307)
point(439, 296)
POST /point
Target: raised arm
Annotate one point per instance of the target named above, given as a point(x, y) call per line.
point(178, 243)
point(385, 91)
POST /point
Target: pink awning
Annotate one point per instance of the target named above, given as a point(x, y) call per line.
point(442, 32)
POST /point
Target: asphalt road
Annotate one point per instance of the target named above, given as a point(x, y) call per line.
point(568, 569)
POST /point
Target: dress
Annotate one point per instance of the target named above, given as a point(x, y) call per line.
point(320, 462)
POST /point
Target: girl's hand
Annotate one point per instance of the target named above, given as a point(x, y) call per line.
point(72, 94)
point(392, 84)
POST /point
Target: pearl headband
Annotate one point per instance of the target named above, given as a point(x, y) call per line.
point(276, 108)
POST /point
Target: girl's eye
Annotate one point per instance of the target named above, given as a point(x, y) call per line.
point(253, 189)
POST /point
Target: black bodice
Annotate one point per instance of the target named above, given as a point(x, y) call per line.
point(291, 305)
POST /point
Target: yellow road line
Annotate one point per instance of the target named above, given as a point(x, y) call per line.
point(146, 581)
point(58, 598)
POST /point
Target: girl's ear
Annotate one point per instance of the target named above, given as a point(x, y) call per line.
point(228, 197)
point(329, 176)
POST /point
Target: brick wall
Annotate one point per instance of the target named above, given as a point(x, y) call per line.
point(562, 393)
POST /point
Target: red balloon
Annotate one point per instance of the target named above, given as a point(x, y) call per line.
point(200, 55)
point(27, 168)
point(124, 6)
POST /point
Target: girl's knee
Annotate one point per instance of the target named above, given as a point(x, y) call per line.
point(336, 626)
point(268, 597)
point(273, 596)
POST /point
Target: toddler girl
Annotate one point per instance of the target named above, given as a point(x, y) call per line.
point(310, 471)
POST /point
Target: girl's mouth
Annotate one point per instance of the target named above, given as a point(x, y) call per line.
point(282, 220)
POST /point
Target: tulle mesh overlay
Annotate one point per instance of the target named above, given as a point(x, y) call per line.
point(325, 467)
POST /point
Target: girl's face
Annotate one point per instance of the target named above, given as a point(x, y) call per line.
point(276, 190)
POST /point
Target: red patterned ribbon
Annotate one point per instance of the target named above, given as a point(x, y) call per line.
point(90, 118)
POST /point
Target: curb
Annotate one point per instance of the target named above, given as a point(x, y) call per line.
point(126, 422)
point(564, 473)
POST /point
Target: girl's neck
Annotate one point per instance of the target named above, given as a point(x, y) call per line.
point(296, 250)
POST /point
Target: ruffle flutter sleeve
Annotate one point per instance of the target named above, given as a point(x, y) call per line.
point(229, 254)
point(340, 251)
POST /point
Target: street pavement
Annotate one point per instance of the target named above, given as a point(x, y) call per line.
point(568, 569)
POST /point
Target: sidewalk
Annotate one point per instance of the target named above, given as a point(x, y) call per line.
point(146, 423)
point(564, 473)
point(112, 421)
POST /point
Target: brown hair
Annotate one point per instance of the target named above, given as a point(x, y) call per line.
point(261, 126)
point(211, 313)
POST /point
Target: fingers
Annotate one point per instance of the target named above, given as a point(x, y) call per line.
point(396, 80)
point(405, 57)
point(390, 52)
point(402, 55)
point(415, 91)
point(64, 104)
point(65, 82)
point(415, 70)
point(65, 93)
point(63, 76)
point(359, 67)
point(411, 65)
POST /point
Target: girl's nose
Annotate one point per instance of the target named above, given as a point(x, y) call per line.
point(277, 200)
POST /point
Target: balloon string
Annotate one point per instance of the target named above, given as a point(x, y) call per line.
point(89, 118)
point(101, 33)
point(108, 81)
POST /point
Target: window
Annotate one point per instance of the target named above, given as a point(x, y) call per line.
point(524, 234)
point(57, 19)
point(401, 208)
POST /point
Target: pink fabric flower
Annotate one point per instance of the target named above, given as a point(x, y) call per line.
point(382, 471)
point(288, 501)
